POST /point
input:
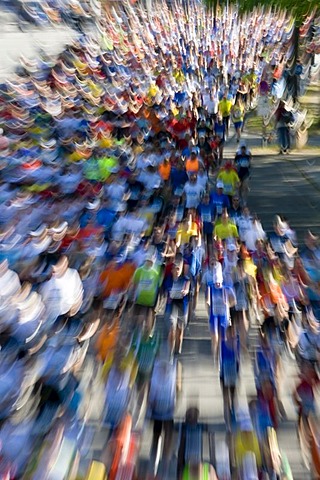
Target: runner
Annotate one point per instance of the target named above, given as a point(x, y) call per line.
point(225, 109)
point(177, 287)
point(243, 166)
point(145, 288)
point(219, 300)
point(237, 117)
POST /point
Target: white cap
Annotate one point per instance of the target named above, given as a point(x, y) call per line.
point(220, 184)
point(93, 205)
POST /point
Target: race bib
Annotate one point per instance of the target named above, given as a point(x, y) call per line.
point(176, 290)
point(244, 163)
point(206, 217)
point(176, 295)
point(145, 284)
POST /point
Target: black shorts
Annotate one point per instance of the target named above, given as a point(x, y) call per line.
point(243, 174)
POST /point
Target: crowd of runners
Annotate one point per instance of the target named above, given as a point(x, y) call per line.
point(77, 14)
point(118, 210)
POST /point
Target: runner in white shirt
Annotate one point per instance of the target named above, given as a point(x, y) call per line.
point(210, 102)
point(64, 291)
point(9, 281)
point(136, 224)
point(193, 191)
point(150, 179)
point(116, 190)
point(202, 178)
point(245, 224)
point(308, 347)
point(119, 227)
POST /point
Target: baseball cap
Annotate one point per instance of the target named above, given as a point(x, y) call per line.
point(220, 185)
point(93, 205)
point(42, 229)
point(50, 143)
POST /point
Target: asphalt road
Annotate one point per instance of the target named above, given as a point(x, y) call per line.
point(288, 185)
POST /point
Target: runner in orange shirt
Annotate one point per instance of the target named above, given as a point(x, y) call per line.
point(165, 169)
point(116, 277)
point(192, 164)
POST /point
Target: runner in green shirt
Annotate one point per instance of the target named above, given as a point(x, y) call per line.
point(146, 283)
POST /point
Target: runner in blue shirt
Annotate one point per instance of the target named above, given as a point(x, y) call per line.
point(177, 287)
point(220, 133)
point(219, 201)
point(229, 370)
point(178, 178)
point(206, 213)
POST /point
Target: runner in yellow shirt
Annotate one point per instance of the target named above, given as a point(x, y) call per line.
point(246, 442)
point(225, 228)
point(186, 230)
point(230, 179)
point(225, 107)
point(237, 117)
